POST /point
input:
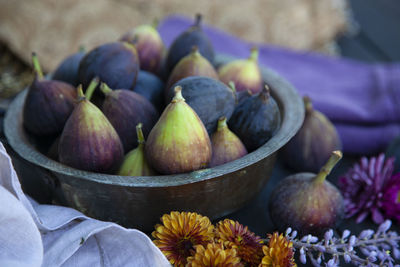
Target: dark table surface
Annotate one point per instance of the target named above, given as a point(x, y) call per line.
point(377, 40)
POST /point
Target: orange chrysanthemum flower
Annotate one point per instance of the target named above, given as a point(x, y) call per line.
point(247, 244)
point(179, 233)
point(214, 255)
point(278, 253)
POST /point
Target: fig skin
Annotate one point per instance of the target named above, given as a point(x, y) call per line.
point(256, 119)
point(182, 45)
point(307, 202)
point(210, 99)
point(67, 71)
point(48, 104)
point(193, 64)
point(116, 64)
point(135, 163)
point(124, 109)
point(311, 147)
point(226, 146)
point(179, 142)
point(89, 142)
point(148, 44)
point(245, 73)
point(152, 88)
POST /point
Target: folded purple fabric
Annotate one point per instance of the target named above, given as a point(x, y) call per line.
point(362, 100)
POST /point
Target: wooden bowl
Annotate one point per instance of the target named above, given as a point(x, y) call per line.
point(139, 202)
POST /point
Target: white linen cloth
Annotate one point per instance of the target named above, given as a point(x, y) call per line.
point(48, 235)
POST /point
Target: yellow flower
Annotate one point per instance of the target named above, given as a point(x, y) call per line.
point(214, 256)
point(179, 233)
point(247, 244)
point(278, 253)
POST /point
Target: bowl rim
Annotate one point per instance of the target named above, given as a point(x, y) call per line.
point(282, 91)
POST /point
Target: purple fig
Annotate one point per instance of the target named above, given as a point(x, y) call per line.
point(245, 73)
point(135, 163)
point(209, 98)
point(89, 142)
point(311, 147)
point(179, 142)
point(183, 44)
point(307, 202)
point(226, 146)
point(125, 109)
point(48, 104)
point(149, 46)
point(67, 71)
point(194, 64)
point(256, 119)
point(152, 88)
point(116, 64)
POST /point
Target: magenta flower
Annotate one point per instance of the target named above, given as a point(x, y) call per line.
point(363, 188)
point(391, 198)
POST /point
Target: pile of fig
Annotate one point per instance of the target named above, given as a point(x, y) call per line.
point(135, 108)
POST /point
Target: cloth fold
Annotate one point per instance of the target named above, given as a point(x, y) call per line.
point(361, 99)
point(47, 235)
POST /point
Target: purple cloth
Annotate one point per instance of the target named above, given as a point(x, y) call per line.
point(362, 100)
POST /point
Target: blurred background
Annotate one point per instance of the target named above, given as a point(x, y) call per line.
point(360, 29)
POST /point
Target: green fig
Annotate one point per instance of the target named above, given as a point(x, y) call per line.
point(149, 46)
point(226, 146)
point(89, 142)
point(193, 64)
point(312, 145)
point(179, 142)
point(245, 73)
point(48, 104)
point(307, 202)
point(183, 44)
point(135, 163)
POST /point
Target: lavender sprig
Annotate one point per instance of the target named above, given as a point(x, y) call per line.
point(379, 248)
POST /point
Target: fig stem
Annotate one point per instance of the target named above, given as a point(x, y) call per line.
point(232, 86)
point(81, 95)
point(105, 89)
point(265, 93)
point(92, 86)
point(307, 104)
point(198, 19)
point(139, 134)
point(36, 66)
point(253, 54)
point(82, 49)
point(195, 50)
point(222, 123)
point(178, 94)
point(327, 168)
point(155, 23)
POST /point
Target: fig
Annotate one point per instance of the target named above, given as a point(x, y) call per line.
point(67, 71)
point(307, 202)
point(89, 142)
point(116, 64)
point(48, 104)
point(179, 142)
point(193, 64)
point(135, 163)
point(183, 44)
point(245, 73)
point(124, 109)
point(210, 99)
point(226, 146)
point(256, 119)
point(152, 88)
point(311, 147)
point(149, 46)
